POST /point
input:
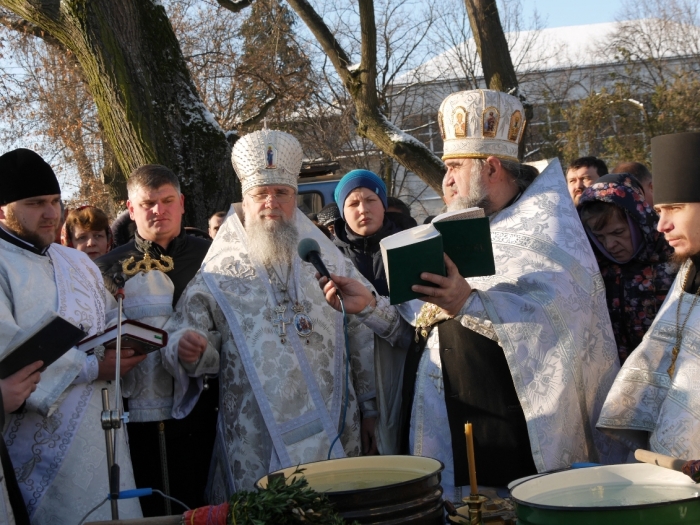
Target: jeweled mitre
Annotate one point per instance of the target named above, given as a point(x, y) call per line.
point(481, 123)
point(267, 157)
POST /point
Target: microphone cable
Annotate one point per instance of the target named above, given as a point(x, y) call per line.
point(128, 494)
point(347, 375)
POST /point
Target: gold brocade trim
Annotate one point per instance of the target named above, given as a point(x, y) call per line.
point(429, 315)
point(131, 267)
point(478, 156)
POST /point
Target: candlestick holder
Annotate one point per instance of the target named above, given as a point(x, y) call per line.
point(474, 503)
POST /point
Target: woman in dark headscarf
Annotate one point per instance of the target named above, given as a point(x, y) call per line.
point(634, 258)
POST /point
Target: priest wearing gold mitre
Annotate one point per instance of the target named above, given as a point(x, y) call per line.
point(653, 403)
point(255, 315)
point(526, 355)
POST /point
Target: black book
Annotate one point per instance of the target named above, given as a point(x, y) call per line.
point(46, 341)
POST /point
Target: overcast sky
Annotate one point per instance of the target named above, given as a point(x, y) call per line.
point(558, 13)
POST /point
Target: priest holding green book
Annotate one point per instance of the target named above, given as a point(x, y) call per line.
point(526, 355)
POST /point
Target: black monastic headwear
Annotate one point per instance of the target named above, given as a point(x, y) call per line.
point(676, 168)
point(24, 174)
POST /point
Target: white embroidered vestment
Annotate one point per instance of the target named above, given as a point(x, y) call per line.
point(281, 398)
point(57, 445)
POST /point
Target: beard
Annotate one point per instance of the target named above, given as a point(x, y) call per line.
point(37, 239)
point(271, 241)
point(478, 195)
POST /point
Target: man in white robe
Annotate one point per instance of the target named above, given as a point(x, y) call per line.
point(255, 315)
point(654, 402)
point(56, 442)
point(528, 354)
point(169, 455)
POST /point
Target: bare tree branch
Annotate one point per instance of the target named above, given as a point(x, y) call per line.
point(23, 26)
point(235, 6)
point(318, 27)
point(255, 119)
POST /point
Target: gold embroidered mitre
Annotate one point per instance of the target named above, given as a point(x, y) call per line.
point(481, 123)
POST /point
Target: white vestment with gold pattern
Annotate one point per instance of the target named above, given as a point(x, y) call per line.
point(57, 444)
point(646, 408)
point(281, 398)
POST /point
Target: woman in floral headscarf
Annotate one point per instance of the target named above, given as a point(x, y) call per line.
point(634, 258)
point(87, 230)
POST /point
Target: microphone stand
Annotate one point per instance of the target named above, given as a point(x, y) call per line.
point(112, 419)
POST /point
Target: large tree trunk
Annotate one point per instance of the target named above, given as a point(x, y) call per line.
point(361, 84)
point(492, 46)
point(148, 106)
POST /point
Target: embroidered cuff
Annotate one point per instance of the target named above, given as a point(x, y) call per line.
point(207, 362)
point(381, 317)
point(474, 317)
point(89, 372)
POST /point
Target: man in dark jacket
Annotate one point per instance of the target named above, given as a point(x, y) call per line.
point(168, 454)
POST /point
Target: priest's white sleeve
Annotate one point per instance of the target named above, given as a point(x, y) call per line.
point(195, 312)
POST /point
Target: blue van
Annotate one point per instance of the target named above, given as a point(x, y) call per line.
point(317, 182)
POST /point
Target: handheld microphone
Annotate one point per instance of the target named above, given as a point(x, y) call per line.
point(310, 252)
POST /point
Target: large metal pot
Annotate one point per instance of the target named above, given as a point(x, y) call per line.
point(386, 490)
point(613, 494)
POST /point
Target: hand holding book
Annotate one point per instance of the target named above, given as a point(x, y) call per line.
point(450, 293)
point(463, 235)
point(107, 367)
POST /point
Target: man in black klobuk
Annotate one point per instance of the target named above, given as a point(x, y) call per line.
point(653, 401)
point(526, 355)
point(157, 265)
point(55, 440)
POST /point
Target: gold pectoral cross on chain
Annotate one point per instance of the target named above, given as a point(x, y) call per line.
point(280, 321)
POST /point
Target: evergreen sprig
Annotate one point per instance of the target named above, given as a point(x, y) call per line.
point(284, 501)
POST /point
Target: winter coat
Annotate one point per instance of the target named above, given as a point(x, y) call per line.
point(364, 252)
point(635, 289)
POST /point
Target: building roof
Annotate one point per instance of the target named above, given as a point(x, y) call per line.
point(536, 50)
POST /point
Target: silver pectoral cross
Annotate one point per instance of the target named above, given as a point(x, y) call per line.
point(280, 321)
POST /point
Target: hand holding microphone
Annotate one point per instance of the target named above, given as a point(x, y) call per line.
point(356, 296)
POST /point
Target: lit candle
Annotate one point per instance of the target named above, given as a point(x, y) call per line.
point(470, 458)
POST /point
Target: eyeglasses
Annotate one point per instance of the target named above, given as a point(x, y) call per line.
point(283, 197)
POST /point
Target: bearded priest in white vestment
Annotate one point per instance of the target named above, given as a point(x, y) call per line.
point(56, 441)
point(254, 314)
point(655, 401)
point(527, 355)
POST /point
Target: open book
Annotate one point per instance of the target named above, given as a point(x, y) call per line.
point(464, 235)
point(49, 338)
point(140, 337)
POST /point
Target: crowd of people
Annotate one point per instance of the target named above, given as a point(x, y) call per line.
point(582, 346)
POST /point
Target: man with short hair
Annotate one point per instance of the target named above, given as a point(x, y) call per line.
point(56, 442)
point(652, 403)
point(157, 265)
point(583, 172)
point(526, 355)
point(255, 315)
point(215, 222)
point(642, 174)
